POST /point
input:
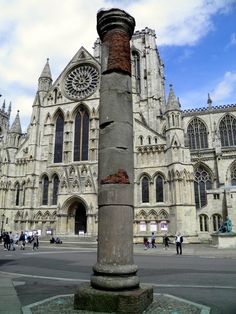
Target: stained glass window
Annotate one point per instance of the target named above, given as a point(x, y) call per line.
point(55, 186)
point(228, 130)
point(202, 182)
point(45, 190)
point(58, 148)
point(159, 189)
point(145, 190)
point(81, 138)
point(197, 134)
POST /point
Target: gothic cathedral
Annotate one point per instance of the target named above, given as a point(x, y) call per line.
point(184, 161)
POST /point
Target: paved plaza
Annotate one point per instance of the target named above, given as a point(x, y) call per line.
point(202, 275)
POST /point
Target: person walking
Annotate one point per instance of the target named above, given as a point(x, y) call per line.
point(6, 240)
point(22, 240)
point(146, 243)
point(12, 245)
point(179, 241)
point(153, 239)
point(166, 241)
point(35, 241)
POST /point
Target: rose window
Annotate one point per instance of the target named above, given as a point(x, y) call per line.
point(82, 82)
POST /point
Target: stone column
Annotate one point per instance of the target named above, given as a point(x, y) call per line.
point(115, 284)
point(115, 268)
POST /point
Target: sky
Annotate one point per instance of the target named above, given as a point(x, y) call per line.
point(196, 40)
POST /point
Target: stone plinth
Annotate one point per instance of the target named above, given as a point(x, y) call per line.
point(224, 240)
point(127, 302)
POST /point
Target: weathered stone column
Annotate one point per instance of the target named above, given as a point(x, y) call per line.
point(114, 284)
point(115, 268)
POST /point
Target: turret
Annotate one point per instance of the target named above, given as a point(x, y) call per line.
point(45, 79)
point(16, 125)
point(173, 111)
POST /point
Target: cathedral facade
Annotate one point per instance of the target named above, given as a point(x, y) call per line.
point(184, 161)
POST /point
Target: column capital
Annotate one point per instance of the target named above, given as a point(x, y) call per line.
point(114, 19)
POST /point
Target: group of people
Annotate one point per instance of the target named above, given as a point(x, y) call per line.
point(11, 241)
point(166, 242)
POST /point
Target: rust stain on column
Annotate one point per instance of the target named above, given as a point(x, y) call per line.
point(121, 177)
point(117, 43)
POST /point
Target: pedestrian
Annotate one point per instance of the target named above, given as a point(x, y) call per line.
point(153, 239)
point(35, 241)
point(12, 245)
point(22, 240)
point(146, 243)
point(179, 241)
point(6, 241)
point(166, 241)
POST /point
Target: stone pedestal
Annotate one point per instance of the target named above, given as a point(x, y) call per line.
point(224, 240)
point(126, 302)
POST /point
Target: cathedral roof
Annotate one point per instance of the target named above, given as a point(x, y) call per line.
point(16, 125)
point(46, 73)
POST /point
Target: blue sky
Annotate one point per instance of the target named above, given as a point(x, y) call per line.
point(209, 66)
point(196, 40)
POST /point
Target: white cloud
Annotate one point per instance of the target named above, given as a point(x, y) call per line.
point(31, 31)
point(226, 88)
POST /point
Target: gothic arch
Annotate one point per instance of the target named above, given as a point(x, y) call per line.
point(144, 174)
point(231, 173)
point(48, 119)
point(70, 201)
point(197, 132)
point(141, 215)
point(152, 215)
point(77, 108)
point(38, 215)
point(227, 129)
point(203, 181)
point(58, 112)
point(163, 215)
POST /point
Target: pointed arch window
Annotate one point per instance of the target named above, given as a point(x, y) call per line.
point(17, 194)
point(216, 220)
point(55, 187)
point(145, 190)
point(81, 138)
point(228, 130)
point(233, 176)
point(202, 182)
point(159, 189)
point(23, 196)
point(141, 140)
point(137, 71)
point(203, 220)
point(45, 190)
point(197, 134)
point(59, 133)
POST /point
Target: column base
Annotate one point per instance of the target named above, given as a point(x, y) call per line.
point(130, 301)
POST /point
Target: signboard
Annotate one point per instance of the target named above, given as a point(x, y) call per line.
point(142, 226)
point(164, 225)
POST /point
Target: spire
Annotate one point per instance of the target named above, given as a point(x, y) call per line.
point(9, 110)
point(4, 105)
point(16, 125)
point(209, 101)
point(46, 73)
point(173, 102)
point(45, 79)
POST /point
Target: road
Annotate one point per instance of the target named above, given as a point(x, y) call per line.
point(52, 271)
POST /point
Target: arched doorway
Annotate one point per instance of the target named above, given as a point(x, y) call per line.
point(80, 218)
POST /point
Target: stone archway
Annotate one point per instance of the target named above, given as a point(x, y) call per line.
point(80, 219)
point(77, 218)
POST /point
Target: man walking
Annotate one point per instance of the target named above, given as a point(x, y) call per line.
point(178, 241)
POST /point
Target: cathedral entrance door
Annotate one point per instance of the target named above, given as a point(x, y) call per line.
point(80, 219)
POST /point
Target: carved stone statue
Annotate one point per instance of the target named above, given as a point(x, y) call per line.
point(226, 226)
